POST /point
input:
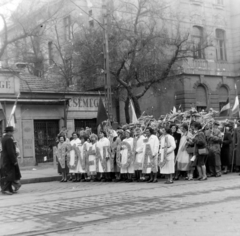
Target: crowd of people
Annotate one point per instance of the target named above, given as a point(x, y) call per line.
point(145, 154)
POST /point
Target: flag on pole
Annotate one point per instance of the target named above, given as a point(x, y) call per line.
point(174, 110)
point(225, 109)
point(12, 119)
point(133, 116)
point(2, 113)
point(235, 108)
point(102, 113)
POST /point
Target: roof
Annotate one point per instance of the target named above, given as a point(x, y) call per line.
point(31, 83)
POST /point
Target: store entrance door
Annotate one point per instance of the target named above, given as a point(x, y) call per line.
point(45, 133)
point(83, 123)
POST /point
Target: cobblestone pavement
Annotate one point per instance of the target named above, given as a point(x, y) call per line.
point(184, 208)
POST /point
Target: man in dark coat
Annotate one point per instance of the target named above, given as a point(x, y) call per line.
point(9, 162)
point(177, 137)
point(225, 151)
point(214, 140)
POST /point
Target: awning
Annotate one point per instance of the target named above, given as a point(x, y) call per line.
point(32, 100)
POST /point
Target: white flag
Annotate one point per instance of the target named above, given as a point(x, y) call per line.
point(133, 113)
point(235, 108)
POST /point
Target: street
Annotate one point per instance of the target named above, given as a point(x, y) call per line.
point(184, 208)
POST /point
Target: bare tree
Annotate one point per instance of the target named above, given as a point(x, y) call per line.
point(145, 44)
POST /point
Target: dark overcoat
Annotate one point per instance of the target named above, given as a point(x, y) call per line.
point(8, 158)
point(237, 145)
point(177, 138)
point(225, 151)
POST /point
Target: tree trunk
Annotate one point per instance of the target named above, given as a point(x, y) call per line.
point(126, 108)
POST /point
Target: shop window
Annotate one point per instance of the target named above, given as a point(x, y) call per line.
point(221, 45)
point(197, 38)
point(67, 28)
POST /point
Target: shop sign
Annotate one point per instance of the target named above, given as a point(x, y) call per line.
point(84, 103)
point(7, 85)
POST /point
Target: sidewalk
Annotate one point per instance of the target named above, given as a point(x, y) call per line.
point(40, 173)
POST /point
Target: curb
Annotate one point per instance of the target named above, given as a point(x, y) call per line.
point(41, 179)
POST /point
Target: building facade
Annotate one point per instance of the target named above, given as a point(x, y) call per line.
point(205, 79)
point(42, 110)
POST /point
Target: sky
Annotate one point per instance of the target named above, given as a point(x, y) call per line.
point(6, 8)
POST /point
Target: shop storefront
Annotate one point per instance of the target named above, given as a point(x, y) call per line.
point(41, 113)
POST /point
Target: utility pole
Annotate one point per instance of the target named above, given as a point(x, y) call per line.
point(107, 80)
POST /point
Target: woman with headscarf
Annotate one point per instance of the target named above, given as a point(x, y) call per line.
point(167, 154)
point(91, 157)
point(62, 157)
point(126, 156)
point(150, 155)
point(103, 157)
point(183, 158)
point(115, 146)
point(138, 153)
point(73, 162)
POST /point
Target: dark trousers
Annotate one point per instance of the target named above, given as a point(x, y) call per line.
point(6, 185)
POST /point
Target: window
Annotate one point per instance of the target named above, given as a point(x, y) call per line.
point(50, 53)
point(201, 98)
point(222, 96)
point(67, 25)
point(91, 22)
point(197, 38)
point(221, 45)
point(219, 2)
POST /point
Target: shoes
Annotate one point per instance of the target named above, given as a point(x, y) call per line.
point(155, 181)
point(65, 180)
point(17, 186)
point(169, 182)
point(199, 178)
point(203, 179)
point(150, 181)
point(62, 180)
point(191, 178)
point(176, 178)
point(218, 175)
point(74, 180)
point(7, 193)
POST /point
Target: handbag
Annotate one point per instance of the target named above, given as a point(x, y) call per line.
point(203, 151)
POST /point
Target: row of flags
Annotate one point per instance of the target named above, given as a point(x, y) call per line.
point(226, 109)
point(102, 113)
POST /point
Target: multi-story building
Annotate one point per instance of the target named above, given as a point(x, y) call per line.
point(205, 78)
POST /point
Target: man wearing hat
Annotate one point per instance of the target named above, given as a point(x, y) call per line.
point(237, 145)
point(9, 162)
point(214, 140)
